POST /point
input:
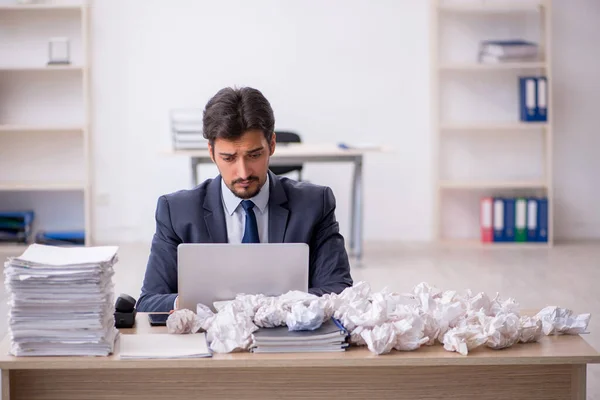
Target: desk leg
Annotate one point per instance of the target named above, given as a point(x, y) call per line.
point(5, 384)
point(357, 211)
point(579, 382)
point(194, 172)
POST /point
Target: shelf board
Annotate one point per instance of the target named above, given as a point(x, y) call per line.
point(498, 7)
point(492, 67)
point(40, 128)
point(493, 126)
point(40, 186)
point(477, 244)
point(41, 68)
point(459, 184)
point(32, 7)
point(11, 249)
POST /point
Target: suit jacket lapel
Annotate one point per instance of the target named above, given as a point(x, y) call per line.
point(214, 216)
point(278, 210)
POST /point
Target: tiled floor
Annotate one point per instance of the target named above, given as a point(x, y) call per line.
point(566, 275)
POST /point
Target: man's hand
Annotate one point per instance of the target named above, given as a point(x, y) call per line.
point(176, 305)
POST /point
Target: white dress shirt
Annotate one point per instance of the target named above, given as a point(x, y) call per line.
point(235, 216)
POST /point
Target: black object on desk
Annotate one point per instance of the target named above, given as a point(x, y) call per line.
point(125, 311)
point(158, 319)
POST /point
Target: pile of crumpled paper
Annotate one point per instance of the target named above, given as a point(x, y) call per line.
point(383, 320)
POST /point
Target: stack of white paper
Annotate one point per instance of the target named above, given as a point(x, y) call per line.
point(61, 301)
point(186, 129)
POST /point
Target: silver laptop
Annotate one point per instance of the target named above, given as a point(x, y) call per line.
point(209, 272)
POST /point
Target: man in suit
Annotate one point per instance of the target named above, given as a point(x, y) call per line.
point(245, 203)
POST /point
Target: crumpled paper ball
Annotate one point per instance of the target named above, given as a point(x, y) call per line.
point(231, 329)
point(464, 338)
point(183, 322)
point(205, 315)
point(380, 339)
point(531, 329)
point(556, 320)
point(270, 315)
point(383, 321)
point(271, 312)
point(502, 331)
point(303, 318)
point(410, 333)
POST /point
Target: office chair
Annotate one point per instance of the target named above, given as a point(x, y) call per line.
point(284, 137)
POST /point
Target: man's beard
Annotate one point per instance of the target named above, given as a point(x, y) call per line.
point(245, 193)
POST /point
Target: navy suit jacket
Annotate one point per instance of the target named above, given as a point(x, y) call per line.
point(299, 212)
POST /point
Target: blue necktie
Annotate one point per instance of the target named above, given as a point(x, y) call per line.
point(251, 229)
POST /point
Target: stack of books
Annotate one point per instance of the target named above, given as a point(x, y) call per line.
point(499, 51)
point(15, 226)
point(330, 337)
point(519, 219)
point(61, 301)
point(186, 129)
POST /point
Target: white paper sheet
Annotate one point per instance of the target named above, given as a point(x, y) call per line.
point(163, 345)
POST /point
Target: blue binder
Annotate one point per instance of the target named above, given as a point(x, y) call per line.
point(509, 220)
point(542, 99)
point(542, 220)
point(528, 99)
point(532, 220)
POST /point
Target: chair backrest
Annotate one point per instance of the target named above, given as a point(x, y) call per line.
point(286, 137)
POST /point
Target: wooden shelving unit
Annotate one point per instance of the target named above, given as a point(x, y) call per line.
point(488, 84)
point(517, 127)
point(40, 128)
point(41, 7)
point(34, 68)
point(488, 7)
point(477, 244)
point(457, 184)
point(470, 67)
point(42, 186)
point(45, 142)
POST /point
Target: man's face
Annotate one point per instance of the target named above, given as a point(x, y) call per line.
point(244, 162)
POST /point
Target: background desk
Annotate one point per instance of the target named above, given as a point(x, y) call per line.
point(292, 154)
point(555, 368)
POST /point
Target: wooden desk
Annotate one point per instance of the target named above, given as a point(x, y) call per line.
point(292, 154)
point(555, 368)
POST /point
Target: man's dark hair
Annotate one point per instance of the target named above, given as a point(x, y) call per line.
point(232, 112)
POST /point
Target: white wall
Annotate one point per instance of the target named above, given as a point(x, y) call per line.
point(338, 70)
point(335, 71)
point(577, 98)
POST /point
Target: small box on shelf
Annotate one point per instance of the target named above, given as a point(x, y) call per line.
point(59, 52)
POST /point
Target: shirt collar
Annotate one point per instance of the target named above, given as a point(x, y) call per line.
point(232, 202)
